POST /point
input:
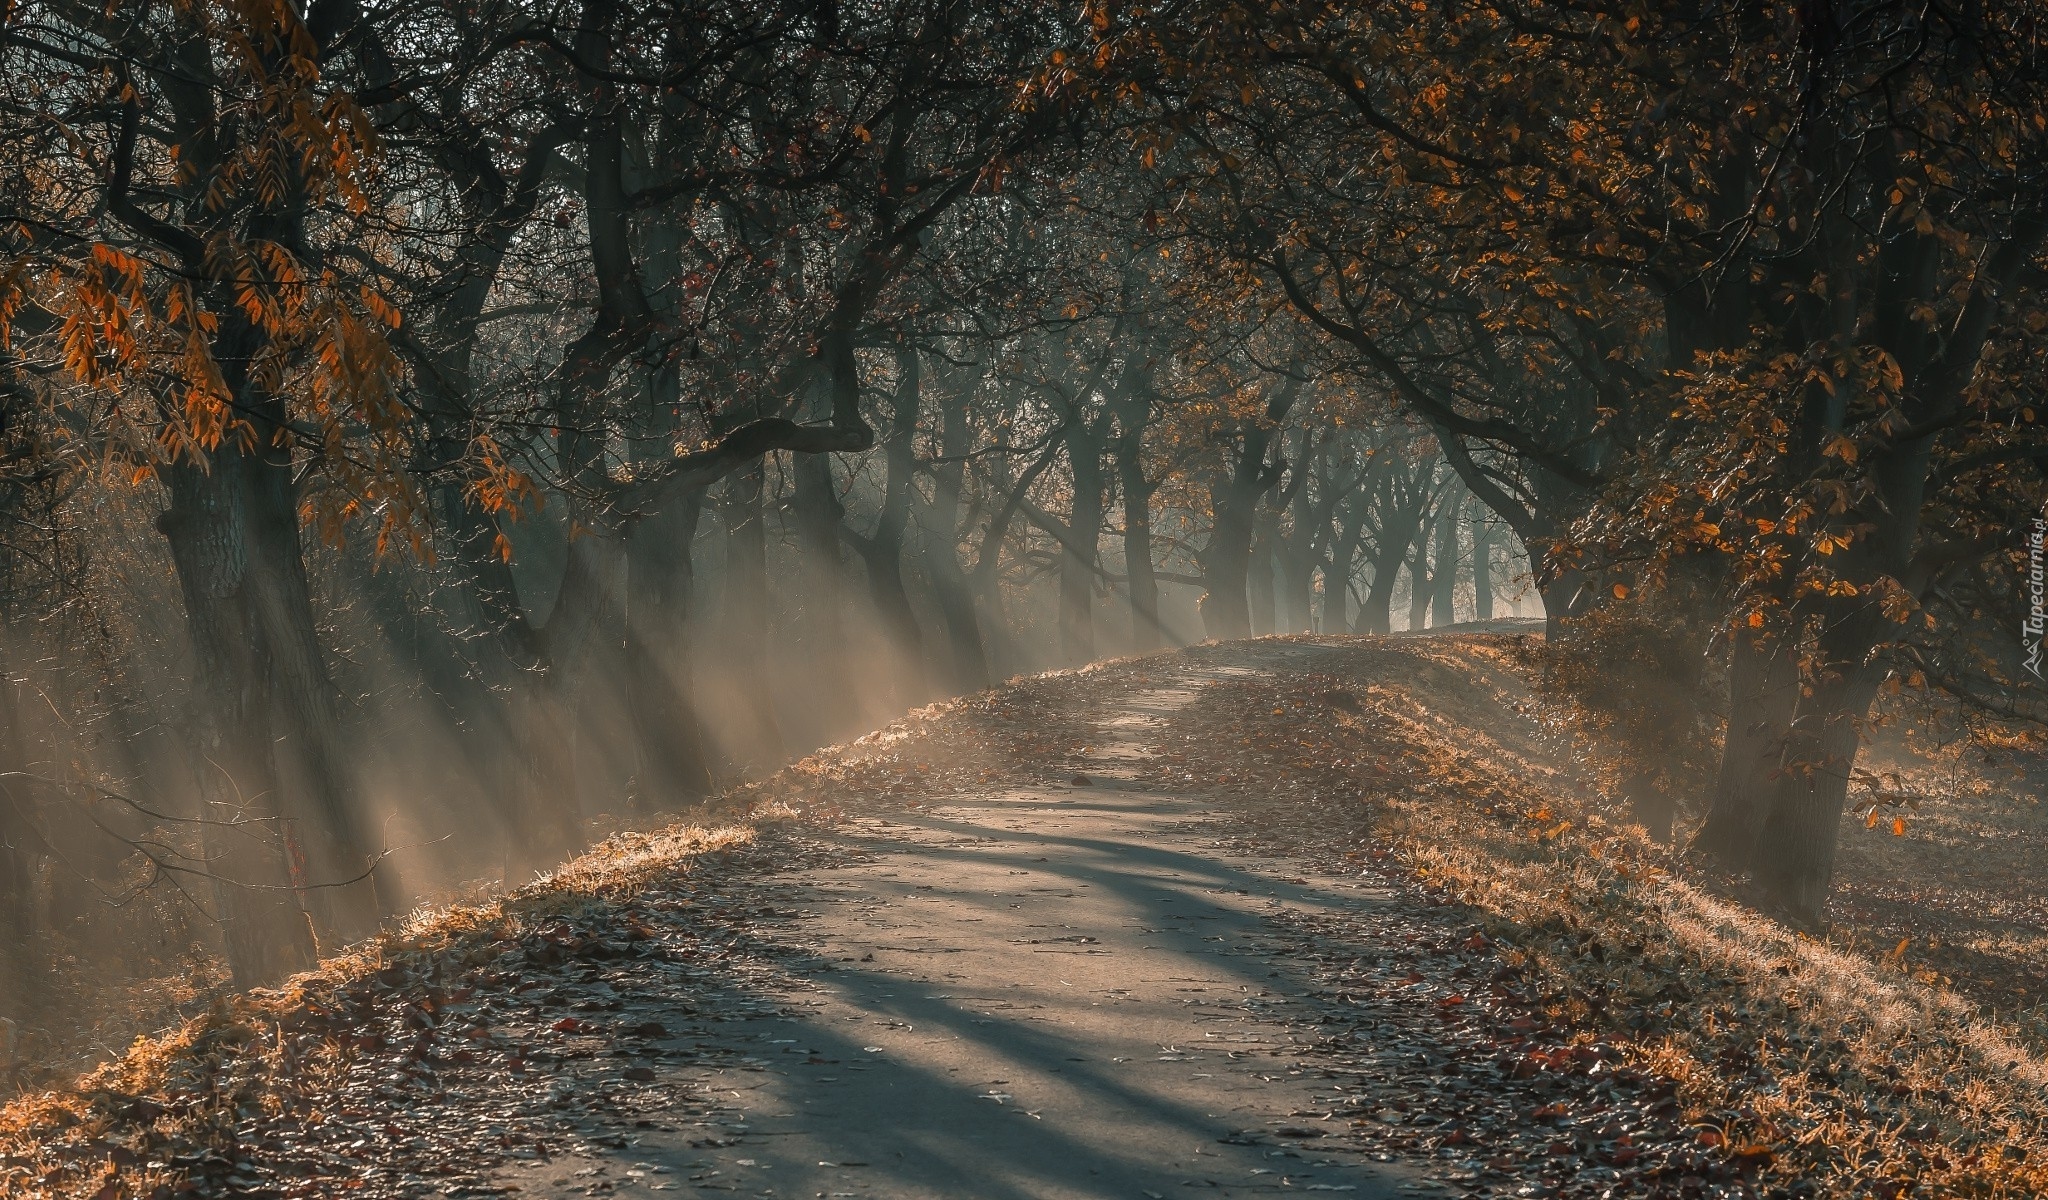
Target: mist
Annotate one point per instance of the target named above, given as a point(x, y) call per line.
point(130, 847)
point(453, 456)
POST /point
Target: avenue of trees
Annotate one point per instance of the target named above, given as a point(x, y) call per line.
point(428, 425)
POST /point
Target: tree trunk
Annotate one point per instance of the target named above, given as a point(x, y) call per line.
point(1337, 571)
point(270, 720)
point(816, 514)
point(582, 631)
point(942, 552)
point(745, 615)
point(672, 752)
point(986, 577)
point(1295, 606)
point(1565, 591)
point(1763, 692)
point(1226, 568)
point(1795, 851)
point(1260, 594)
point(21, 944)
point(1081, 558)
point(266, 934)
point(1234, 507)
point(311, 727)
point(1443, 580)
point(1482, 563)
point(1561, 595)
point(1143, 576)
point(1400, 500)
point(1376, 613)
point(884, 551)
point(1299, 552)
point(1132, 409)
point(1418, 585)
point(268, 711)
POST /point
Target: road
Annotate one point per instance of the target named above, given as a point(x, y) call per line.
point(1065, 991)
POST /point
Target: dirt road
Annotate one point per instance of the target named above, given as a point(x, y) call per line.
point(1289, 915)
point(1056, 992)
point(1127, 932)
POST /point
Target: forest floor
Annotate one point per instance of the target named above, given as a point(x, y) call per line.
point(1287, 915)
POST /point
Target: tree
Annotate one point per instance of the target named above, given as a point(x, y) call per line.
point(218, 153)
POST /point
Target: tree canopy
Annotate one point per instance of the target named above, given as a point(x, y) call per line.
point(429, 426)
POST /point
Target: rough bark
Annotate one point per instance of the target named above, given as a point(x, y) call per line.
point(1763, 692)
point(883, 550)
point(674, 756)
point(967, 658)
point(1261, 598)
point(1337, 568)
point(269, 721)
point(1234, 506)
point(265, 932)
point(1563, 595)
point(311, 728)
point(1794, 859)
point(1139, 570)
point(1418, 581)
point(1482, 563)
point(1080, 559)
point(744, 620)
point(1226, 566)
point(1443, 580)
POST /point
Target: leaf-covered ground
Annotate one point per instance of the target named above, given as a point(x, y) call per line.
point(1547, 1006)
point(1814, 1067)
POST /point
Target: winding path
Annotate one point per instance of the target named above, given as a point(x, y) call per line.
point(1054, 992)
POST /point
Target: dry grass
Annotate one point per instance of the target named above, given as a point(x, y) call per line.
point(188, 1086)
point(185, 1089)
point(1962, 890)
point(1861, 1076)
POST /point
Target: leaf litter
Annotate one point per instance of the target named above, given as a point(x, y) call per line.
point(1556, 1006)
point(1543, 1007)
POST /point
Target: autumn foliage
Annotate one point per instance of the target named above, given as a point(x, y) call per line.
point(429, 430)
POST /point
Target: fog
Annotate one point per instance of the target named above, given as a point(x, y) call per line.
point(127, 863)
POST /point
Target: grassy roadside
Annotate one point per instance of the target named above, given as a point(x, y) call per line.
point(133, 1126)
point(150, 1122)
point(1828, 1069)
point(1833, 1070)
